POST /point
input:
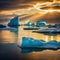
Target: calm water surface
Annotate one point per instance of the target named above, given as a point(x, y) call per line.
point(9, 50)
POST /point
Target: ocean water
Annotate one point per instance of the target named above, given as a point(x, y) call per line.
point(9, 39)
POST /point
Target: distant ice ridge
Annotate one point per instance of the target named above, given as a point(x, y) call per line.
point(33, 43)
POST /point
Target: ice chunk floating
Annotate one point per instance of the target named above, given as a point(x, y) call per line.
point(2, 26)
point(33, 43)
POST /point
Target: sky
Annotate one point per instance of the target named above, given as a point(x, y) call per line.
point(17, 4)
point(30, 9)
point(11, 6)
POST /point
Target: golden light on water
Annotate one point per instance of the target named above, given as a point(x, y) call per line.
point(37, 36)
point(7, 37)
point(10, 37)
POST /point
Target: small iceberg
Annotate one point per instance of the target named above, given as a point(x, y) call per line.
point(28, 23)
point(2, 26)
point(14, 22)
point(33, 43)
point(48, 31)
point(9, 29)
point(31, 28)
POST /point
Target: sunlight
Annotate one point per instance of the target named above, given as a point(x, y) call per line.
point(54, 0)
point(39, 6)
point(46, 39)
point(52, 38)
point(51, 10)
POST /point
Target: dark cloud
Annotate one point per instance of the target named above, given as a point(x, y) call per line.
point(16, 4)
point(47, 8)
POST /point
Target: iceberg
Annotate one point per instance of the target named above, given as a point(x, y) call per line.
point(41, 23)
point(2, 26)
point(28, 23)
point(27, 42)
point(14, 22)
point(33, 43)
point(52, 45)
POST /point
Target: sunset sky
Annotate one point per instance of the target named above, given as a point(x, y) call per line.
point(48, 10)
point(23, 6)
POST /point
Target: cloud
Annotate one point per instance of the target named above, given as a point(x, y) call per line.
point(17, 4)
point(48, 5)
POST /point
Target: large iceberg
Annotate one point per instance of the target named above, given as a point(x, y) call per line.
point(33, 43)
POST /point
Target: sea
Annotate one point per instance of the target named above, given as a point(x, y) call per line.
point(9, 50)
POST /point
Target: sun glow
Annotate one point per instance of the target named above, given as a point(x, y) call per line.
point(49, 10)
point(54, 0)
point(52, 10)
point(48, 6)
